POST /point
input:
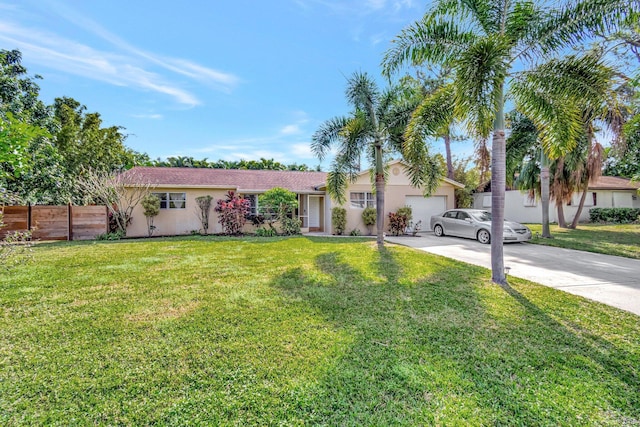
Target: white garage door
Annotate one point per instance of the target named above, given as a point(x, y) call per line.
point(422, 208)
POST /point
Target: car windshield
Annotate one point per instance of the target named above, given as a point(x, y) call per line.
point(482, 216)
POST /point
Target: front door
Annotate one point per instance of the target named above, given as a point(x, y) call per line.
point(314, 213)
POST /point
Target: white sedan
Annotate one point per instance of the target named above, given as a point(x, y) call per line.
point(476, 224)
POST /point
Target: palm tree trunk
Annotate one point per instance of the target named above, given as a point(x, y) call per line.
point(576, 218)
point(562, 223)
point(379, 195)
point(544, 194)
point(498, 184)
point(447, 147)
point(559, 192)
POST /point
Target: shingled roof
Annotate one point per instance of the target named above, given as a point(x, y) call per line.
point(602, 183)
point(613, 183)
point(238, 179)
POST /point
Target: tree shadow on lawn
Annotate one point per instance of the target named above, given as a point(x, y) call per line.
point(438, 350)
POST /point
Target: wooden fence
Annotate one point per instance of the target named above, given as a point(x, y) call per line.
point(57, 222)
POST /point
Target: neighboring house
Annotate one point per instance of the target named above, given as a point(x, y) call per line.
point(178, 189)
point(605, 192)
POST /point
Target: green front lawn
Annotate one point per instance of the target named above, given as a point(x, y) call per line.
point(613, 239)
point(301, 331)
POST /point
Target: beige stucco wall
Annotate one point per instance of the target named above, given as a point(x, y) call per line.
point(171, 222)
point(397, 188)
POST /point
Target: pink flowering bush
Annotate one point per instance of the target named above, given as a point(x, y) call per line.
point(232, 213)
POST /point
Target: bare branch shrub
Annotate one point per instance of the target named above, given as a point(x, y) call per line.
point(121, 193)
point(204, 208)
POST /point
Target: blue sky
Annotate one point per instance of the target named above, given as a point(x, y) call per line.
point(217, 79)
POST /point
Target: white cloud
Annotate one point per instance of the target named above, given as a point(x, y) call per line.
point(148, 116)
point(125, 65)
point(302, 150)
point(69, 56)
point(290, 130)
point(358, 7)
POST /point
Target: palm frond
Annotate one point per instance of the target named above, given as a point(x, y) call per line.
point(576, 22)
point(362, 92)
point(480, 73)
point(425, 41)
point(336, 184)
point(558, 94)
point(521, 143)
point(326, 135)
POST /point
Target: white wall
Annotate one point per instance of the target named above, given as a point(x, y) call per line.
point(518, 206)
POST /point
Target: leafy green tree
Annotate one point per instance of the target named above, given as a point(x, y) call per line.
point(375, 126)
point(150, 208)
point(465, 172)
point(84, 143)
point(15, 137)
point(486, 44)
point(19, 93)
point(279, 204)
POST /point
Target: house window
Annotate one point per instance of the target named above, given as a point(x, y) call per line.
point(588, 201)
point(253, 199)
point(362, 200)
point(172, 200)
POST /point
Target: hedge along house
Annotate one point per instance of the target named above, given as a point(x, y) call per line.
point(178, 189)
point(398, 193)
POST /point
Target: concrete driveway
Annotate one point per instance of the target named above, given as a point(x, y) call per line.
point(608, 279)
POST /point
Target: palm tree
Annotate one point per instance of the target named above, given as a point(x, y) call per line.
point(482, 41)
point(374, 127)
point(522, 150)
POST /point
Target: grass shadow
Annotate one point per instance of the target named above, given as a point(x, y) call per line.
point(434, 351)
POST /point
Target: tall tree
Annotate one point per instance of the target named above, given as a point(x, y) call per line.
point(523, 152)
point(485, 42)
point(85, 143)
point(374, 127)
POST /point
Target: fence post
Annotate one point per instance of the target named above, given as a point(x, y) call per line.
point(70, 219)
point(29, 216)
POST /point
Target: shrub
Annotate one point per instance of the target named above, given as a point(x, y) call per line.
point(113, 235)
point(265, 232)
point(339, 220)
point(279, 204)
point(15, 248)
point(355, 232)
point(204, 207)
point(151, 208)
point(290, 226)
point(399, 221)
point(614, 215)
point(369, 217)
point(256, 220)
point(232, 213)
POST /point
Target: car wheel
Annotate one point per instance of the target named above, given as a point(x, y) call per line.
point(438, 231)
point(484, 237)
